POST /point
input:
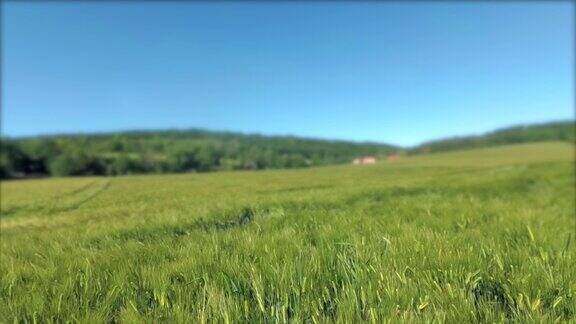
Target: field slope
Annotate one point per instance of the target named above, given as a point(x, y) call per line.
point(477, 235)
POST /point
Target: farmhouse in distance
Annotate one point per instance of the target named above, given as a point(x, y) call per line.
point(369, 159)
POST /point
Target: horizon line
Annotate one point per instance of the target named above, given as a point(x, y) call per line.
point(245, 133)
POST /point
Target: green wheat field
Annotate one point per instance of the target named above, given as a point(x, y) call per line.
point(478, 235)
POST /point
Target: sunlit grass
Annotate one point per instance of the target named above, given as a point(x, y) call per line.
point(481, 235)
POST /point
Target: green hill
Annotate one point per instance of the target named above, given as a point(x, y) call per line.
point(482, 235)
point(553, 131)
point(171, 152)
point(176, 151)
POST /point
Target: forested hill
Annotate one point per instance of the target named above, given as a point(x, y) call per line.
point(553, 131)
point(171, 151)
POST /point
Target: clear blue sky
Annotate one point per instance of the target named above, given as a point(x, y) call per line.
point(389, 72)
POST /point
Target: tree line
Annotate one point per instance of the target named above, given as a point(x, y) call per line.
point(170, 152)
point(140, 152)
point(552, 131)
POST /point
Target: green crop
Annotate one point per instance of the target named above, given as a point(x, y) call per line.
point(480, 235)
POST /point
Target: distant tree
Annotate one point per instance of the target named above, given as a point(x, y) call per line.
point(13, 160)
point(207, 158)
point(77, 163)
point(230, 164)
point(182, 160)
point(119, 165)
point(117, 144)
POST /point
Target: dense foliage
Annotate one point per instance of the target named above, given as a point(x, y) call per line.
point(481, 236)
point(170, 151)
point(555, 131)
point(196, 150)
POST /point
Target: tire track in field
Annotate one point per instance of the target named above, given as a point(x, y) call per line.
point(76, 191)
point(38, 205)
point(68, 201)
point(77, 204)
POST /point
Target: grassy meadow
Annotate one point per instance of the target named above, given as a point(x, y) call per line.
point(479, 235)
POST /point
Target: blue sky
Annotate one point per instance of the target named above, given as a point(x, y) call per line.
point(388, 72)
